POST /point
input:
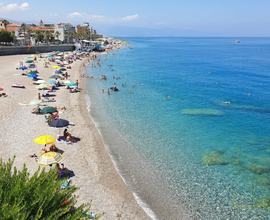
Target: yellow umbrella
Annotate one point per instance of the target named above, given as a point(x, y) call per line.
point(33, 55)
point(56, 67)
point(49, 158)
point(45, 139)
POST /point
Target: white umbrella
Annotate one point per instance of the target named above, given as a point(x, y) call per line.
point(40, 81)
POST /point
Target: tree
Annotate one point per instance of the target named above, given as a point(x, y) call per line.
point(12, 34)
point(38, 196)
point(39, 36)
point(29, 30)
point(5, 22)
point(47, 36)
point(57, 34)
point(23, 26)
point(5, 36)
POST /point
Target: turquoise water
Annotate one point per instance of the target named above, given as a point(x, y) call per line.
point(189, 150)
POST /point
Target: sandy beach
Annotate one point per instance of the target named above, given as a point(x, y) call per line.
point(93, 170)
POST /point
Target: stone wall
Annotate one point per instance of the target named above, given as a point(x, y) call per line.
point(12, 50)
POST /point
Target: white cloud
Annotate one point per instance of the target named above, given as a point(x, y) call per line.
point(74, 14)
point(53, 15)
point(24, 6)
point(131, 17)
point(14, 7)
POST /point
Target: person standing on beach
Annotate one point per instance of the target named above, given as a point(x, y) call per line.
point(77, 83)
point(39, 98)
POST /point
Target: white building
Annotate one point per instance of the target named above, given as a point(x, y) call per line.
point(65, 30)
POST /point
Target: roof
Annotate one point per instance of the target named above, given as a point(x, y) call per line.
point(42, 29)
point(12, 29)
point(13, 24)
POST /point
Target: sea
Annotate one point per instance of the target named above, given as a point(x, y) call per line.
point(189, 128)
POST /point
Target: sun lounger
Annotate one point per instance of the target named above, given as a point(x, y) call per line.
point(17, 86)
point(66, 185)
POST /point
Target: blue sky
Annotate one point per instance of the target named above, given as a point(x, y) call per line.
point(208, 17)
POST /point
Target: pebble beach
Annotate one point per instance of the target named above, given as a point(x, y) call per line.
point(92, 168)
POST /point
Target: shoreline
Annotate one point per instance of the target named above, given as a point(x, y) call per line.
point(94, 171)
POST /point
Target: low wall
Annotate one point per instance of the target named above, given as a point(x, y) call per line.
point(12, 50)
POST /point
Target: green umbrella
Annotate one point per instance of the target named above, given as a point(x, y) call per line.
point(63, 69)
point(48, 109)
point(29, 61)
point(55, 76)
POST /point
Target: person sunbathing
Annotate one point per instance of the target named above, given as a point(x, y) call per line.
point(53, 148)
point(62, 168)
point(69, 137)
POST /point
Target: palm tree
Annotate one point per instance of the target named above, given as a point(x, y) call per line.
point(57, 34)
point(47, 36)
point(12, 35)
point(5, 22)
point(37, 36)
point(23, 26)
point(29, 30)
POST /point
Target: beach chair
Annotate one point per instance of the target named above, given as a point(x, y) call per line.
point(66, 185)
point(91, 215)
point(48, 120)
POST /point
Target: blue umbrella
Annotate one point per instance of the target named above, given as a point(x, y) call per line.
point(59, 123)
point(51, 81)
point(33, 75)
point(22, 68)
point(71, 84)
point(58, 71)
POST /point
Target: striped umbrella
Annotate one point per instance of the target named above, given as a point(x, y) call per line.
point(49, 158)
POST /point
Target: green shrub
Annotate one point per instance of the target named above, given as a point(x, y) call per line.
point(36, 197)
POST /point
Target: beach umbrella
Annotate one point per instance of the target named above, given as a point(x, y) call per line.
point(29, 61)
point(40, 81)
point(65, 62)
point(32, 55)
point(63, 69)
point(40, 54)
point(1, 89)
point(33, 75)
point(48, 109)
point(55, 76)
point(55, 67)
point(51, 81)
point(35, 102)
point(49, 158)
point(28, 57)
point(67, 81)
point(45, 139)
point(58, 71)
point(59, 123)
point(71, 84)
point(50, 56)
point(22, 68)
point(43, 86)
point(33, 72)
